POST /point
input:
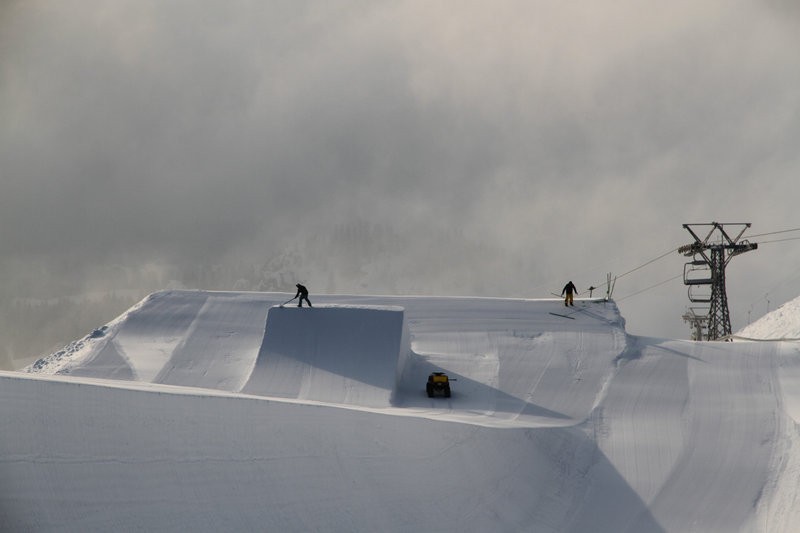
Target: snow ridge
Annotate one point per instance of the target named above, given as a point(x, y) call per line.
point(249, 416)
point(781, 324)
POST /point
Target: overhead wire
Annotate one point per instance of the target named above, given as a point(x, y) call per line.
point(772, 233)
point(648, 263)
point(650, 287)
point(673, 250)
point(780, 240)
point(676, 249)
point(631, 271)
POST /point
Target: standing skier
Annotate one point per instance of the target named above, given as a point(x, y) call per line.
point(302, 292)
point(569, 288)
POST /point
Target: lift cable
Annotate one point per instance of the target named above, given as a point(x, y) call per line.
point(771, 233)
point(649, 288)
point(673, 250)
point(780, 240)
point(665, 254)
point(662, 256)
point(649, 262)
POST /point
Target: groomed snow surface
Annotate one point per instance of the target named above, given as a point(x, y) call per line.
point(209, 411)
point(782, 323)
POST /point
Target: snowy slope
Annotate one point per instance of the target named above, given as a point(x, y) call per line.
point(378, 350)
point(220, 411)
point(782, 323)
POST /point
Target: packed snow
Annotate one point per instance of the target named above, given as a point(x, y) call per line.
point(782, 323)
point(225, 411)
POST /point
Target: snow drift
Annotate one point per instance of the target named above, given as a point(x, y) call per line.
point(782, 323)
point(218, 411)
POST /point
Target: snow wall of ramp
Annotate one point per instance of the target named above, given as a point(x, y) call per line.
point(333, 354)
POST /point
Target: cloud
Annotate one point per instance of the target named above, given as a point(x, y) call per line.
point(194, 130)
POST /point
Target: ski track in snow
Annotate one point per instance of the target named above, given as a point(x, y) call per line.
point(220, 411)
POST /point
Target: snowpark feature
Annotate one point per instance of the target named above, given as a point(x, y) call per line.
point(331, 354)
point(213, 411)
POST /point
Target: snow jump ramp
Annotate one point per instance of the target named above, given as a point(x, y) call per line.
point(351, 355)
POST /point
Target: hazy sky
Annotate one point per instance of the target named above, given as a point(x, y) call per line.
point(576, 136)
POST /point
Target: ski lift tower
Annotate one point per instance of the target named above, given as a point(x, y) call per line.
point(705, 276)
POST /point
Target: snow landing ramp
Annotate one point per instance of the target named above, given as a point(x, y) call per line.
point(351, 355)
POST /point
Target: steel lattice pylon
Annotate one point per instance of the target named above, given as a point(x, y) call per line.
point(719, 319)
point(710, 256)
